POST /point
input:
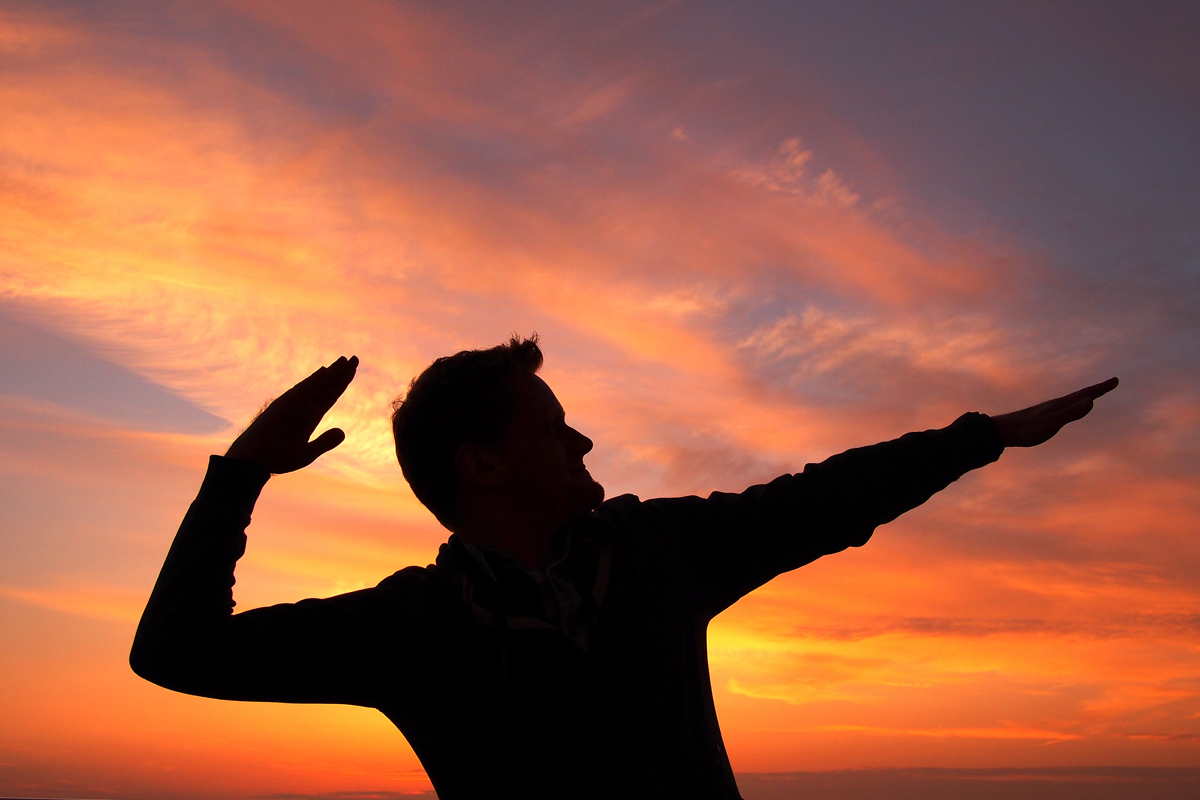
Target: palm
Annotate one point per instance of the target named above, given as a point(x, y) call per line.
point(278, 438)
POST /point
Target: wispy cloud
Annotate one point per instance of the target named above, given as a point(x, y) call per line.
point(116, 603)
point(790, 173)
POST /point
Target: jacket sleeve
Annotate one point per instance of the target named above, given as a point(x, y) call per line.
point(730, 544)
point(189, 639)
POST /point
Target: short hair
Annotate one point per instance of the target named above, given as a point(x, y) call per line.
point(460, 399)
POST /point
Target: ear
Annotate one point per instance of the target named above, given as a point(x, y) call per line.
point(477, 465)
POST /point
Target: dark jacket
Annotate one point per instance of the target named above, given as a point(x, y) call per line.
point(497, 705)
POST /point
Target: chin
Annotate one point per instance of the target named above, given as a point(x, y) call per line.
point(589, 496)
point(597, 496)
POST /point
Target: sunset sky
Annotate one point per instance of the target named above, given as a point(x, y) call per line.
point(749, 236)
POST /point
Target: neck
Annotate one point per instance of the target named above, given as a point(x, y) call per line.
point(527, 538)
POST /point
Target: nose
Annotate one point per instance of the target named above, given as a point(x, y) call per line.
point(582, 443)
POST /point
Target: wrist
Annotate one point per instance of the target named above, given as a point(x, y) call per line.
point(238, 452)
point(1003, 427)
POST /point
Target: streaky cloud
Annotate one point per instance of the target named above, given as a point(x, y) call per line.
point(41, 365)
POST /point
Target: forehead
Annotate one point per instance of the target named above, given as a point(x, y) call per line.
point(534, 399)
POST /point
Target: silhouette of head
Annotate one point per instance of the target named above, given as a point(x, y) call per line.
point(492, 400)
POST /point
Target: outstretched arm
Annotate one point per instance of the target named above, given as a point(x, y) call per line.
point(189, 639)
point(733, 543)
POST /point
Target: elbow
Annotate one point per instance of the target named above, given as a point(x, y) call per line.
point(143, 663)
point(171, 663)
point(159, 671)
point(151, 662)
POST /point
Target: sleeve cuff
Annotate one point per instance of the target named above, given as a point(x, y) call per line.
point(979, 442)
point(236, 482)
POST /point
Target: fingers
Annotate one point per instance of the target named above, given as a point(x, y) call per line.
point(1102, 388)
point(1058, 404)
point(329, 384)
point(1093, 391)
point(1077, 410)
point(337, 371)
point(334, 379)
point(320, 390)
point(343, 372)
point(341, 365)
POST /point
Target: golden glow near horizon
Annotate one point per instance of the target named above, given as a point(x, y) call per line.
point(198, 210)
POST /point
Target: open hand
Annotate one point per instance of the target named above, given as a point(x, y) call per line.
point(277, 439)
point(1034, 425)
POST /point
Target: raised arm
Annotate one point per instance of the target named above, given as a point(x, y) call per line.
point(312, 651)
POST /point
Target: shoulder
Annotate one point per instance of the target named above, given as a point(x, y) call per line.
point(622, 512)
point(415, 581)
point(618, 504)
point(636, 520)
point(629, 509)
point(409, 576)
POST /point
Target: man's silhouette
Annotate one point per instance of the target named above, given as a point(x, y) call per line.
point(557, 647)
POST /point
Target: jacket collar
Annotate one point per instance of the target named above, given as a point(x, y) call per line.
point(586, 561)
